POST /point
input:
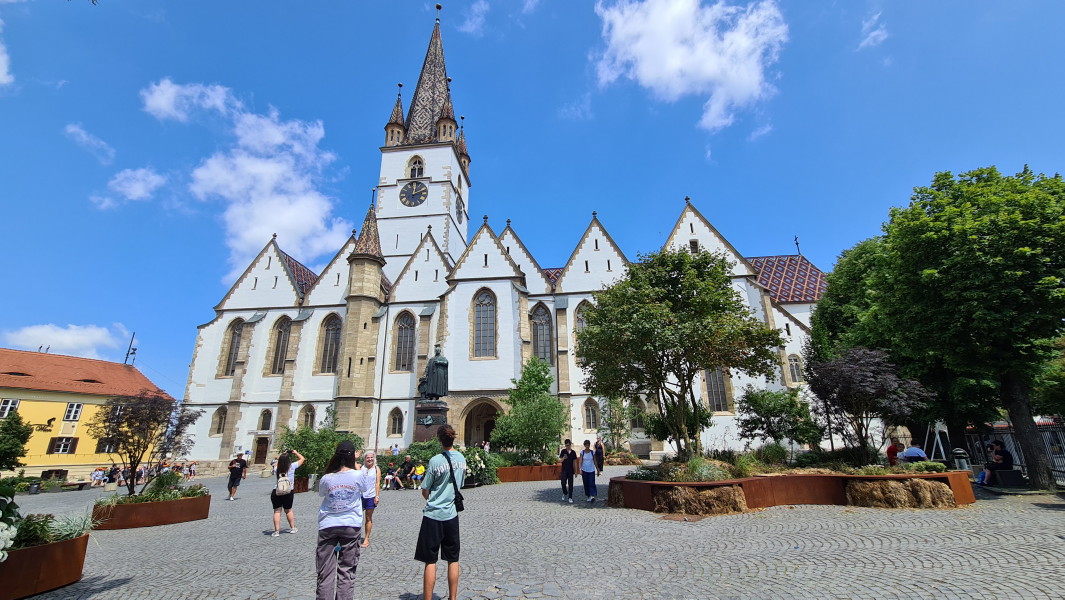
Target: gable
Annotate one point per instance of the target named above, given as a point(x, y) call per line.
point(596, 262)
point(332, 285)
point(485, 258)
point(266, 282)
point(424, 277)
point(693, 227)
point(535, 279)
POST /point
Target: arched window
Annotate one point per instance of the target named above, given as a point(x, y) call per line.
point(265, 420)
point(404, 342)
point(484, 324)
point(281, 332)
point(715, 390)
point(218, 420)
point(307, 417)
point(591, 415)
point(417, 167)
point(541, 333)
point(395, 422)
point(330, 344)
point(460, 209)
point(580, 318)
point(235, 331)
point(795, 367)
point(639, 410)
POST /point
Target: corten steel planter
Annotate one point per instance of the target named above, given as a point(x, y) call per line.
point(38, 569)
point(150, 514)
point(529, 473)
point(779, 490)
point(300, 484)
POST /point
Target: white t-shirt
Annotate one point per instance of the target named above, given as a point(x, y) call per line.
point(341, 499)
point(369, 482)
point(291, 475)
point(588, 461)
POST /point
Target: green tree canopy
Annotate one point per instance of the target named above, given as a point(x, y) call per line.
point(673, 315)
point(536, 420)
point(316, 445)
point(14, 433)
point(777, 415)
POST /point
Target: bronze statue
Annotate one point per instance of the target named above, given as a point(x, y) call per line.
point(433, 385)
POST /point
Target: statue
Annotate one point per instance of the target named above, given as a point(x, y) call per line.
point(433, 385)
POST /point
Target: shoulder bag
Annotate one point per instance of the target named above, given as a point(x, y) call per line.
point(458, 495)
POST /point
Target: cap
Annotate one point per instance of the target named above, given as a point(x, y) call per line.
point(346, 447)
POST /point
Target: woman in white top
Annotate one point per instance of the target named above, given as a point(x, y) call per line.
point(371, 478)
point(287, 467)
point(588, 470)
point(339, 525)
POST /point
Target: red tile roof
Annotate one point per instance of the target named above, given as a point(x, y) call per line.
point(790, 277)
point(303, 277)
point(59, 373)
point(554, 273)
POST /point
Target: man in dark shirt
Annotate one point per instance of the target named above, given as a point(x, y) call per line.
point(1001, 460)
point(238, 470)
point(405, 470)
point(569, 470)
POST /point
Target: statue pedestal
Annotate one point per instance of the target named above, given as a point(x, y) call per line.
point(429, 415)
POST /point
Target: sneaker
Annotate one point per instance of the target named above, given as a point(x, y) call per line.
point(293, 530)
point(571, 500)
point(590, 499)
point(275, 534)
point(228, 499)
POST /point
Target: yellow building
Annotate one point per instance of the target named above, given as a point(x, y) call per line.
point(58, 396)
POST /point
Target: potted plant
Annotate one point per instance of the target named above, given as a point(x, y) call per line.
point(164, 502)
point(39, 552)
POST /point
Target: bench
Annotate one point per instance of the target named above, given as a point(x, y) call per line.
point(1008, 478)
point(77, 485)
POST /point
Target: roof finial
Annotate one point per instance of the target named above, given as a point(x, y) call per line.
point(687, 200)
point(399, 92)
point(275, 236)
point(486, 219)
point(430, 228)
point(594, 214)
point(508, 222)
point(797, 246)
point(438, 7)
point(373, 195)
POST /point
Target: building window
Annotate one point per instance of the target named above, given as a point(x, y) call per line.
point(795, 367)
point(591, 415)
point(218, 420)
point(417, 168)
point(330, 344)
point(235, 331)
point(581, 319)
point(73, 412)
point(405, 342)
point(106, 446)
point(484, 324)
point(281, 333)
point(460, 209)
point(395, 422)
point(8, 406)
point(640, 410)
point(541, 333)
point(693, 246)
point(715, 390)
point(265, 420)
point(307, 416)
point(63, 445)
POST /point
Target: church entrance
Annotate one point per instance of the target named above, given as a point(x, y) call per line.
point(480, 422)
point(262, 446)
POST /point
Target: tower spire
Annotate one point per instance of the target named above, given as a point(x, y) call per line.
point(395, 129)
point(368, 242)
point(430, 95)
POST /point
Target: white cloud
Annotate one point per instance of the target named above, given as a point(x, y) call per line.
point(529, 5)
point(136, 184)
point(759, 132)
point(678, 48)
point(578, 110)
point(6, 78)
point(97, 147)
point(76, 340)
point(267, 178)
point(873, 33)
point(474, 23)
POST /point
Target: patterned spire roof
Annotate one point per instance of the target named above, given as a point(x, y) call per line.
point(460, 144)
point(430, 95)
point(303, 277)
point(397, 110)
point(448, 112)
point(790, 277)
point(368, 241)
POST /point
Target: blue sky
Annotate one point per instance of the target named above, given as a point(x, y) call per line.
point(148, 149)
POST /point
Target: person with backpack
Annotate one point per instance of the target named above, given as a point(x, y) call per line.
point(281, 496)
point(588, 470)
point(439, 534)
point(339, 525)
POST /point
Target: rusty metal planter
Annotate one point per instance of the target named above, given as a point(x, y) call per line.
point(38, 569)
point(529, 473)
point(150, 514)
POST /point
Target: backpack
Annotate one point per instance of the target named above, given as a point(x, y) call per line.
point(284, 486)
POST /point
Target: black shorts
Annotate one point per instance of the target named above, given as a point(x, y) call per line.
point(994, 466)
point(283, 501)
point(234, 481)
point(438, 538)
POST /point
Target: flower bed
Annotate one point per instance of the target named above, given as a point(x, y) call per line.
point(38, 569)
point(150, 514)
point(529, 473)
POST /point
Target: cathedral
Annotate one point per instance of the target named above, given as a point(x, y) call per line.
point(287, 343)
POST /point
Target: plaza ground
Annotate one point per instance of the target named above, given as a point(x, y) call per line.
point(520, 541)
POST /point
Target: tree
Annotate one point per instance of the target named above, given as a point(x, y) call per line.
point(975, 274)
point(673, 315)
point(1049, 393)
point(14, 433)
point(316, 445)
point(860, 389)
point(536, 420)
point(777, 415)
point(143, 429)
point(616, 421)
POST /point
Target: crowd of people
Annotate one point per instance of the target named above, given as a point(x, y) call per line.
point(121, 475)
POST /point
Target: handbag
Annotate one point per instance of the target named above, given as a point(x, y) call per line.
point(459, 506)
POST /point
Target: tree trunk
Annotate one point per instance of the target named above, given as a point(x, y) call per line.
point(1015, 397)
point(956, 429)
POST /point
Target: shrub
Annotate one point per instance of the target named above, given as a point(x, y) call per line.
point(726, 455)
point(928, 466)
point(872, 470)
point(746, 465)
point(696, 469)
point(480, 466)
point(33, 530)
point(772, 454)
point(506, 459)
point(840, 457)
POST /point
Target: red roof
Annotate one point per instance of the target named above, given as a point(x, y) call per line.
point(58, 373)
point(303, 277)
point(790, 277)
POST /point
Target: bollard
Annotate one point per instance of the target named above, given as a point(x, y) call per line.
point(961, 459)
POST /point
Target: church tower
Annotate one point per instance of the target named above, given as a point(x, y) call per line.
point(424, 179)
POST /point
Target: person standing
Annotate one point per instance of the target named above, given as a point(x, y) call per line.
point(588, 470)
point(238, 470)
point(371, 492)
point(569, 470)
point(286, 467)
point(439, 534)
point(893, 451)
point(600, 455)
point(339, 525)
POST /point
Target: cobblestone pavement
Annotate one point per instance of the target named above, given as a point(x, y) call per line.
point(520, 541)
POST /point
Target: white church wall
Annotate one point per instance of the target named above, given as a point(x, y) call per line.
point(394, 383)
point(332, 285)
point(595, 264)
point(265, 284)
point(801, 311)
point(306, 385)
point(465, 371)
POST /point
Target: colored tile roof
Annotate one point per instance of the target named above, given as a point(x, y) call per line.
point(303, 277)
point(21, 369)
point(553, 274)
point(368, 241)
point(430, 94)
point(790, 277)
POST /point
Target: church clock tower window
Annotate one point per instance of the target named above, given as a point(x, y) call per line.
point(417, 167)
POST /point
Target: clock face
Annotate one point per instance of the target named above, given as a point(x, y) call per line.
point(413, 194)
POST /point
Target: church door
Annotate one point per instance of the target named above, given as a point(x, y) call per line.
point(479, 424)
point(262, 446)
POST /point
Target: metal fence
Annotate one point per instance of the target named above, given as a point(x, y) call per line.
point(1053, 435)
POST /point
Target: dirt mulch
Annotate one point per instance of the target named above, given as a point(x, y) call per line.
point(686, 500)
point(894, 493)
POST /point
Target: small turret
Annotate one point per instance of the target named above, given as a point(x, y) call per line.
point(395, 129)
point(445, 123)
point(460, 147)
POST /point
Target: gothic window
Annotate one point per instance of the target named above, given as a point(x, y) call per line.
point(281, 332)
point(591, 415)
point(639, 411)
point(235, 331)
point(715, 390)
point(307, 417)
point(541, 333)
point(417, 167)
point(404, 342)
point(218, 421)
point(795, 367)
point(395, 422)
point(460, 209)
point(330, 344)
point(582, 321)
point(484, 324)
point(265, 420)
